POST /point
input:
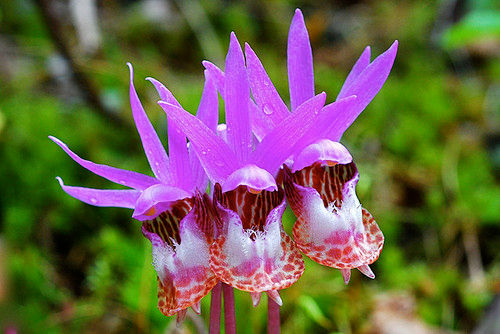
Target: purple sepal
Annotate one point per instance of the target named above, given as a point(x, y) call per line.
point(366, 85)
point(155, 152)
point(299, 62)
point(177, 146)
point(117, 175)
point(278, 145)
point(218, 160)
point(100, 197)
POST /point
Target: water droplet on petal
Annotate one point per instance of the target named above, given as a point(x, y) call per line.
point(267, 110)
point(93, 200)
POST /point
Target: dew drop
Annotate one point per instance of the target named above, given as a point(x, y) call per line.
point(204, 152)
point(93, 200)
point(267, 110)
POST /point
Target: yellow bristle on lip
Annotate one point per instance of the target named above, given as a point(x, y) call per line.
point(254, 191)
point(150, 212)
point(331, 163)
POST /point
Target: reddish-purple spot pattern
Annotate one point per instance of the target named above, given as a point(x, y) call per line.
point(341, 249)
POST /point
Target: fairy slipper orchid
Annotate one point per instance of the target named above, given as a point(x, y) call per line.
point(332, 228)
point(252, 253)
point(176, 217)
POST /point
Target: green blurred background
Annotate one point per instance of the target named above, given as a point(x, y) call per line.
point(427, 147)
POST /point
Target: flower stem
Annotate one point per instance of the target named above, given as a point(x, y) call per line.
point(229, 315)
point(215, 305)
point(273, 317)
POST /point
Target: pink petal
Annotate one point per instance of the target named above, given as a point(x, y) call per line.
point(236, 98)
point(255, 298)
point(274, 295)
point(367, 85)
point(155, 152)
point(217, 75)
point(120, 176)
point(208, 109)
point(323, 122)
point(99, 197)
point(208, 113)
point(197, 307)
point(215, 156)
point(346, 275)
point(278, 145)
point(362, 62)
point(264, 93)
point(299, 62)
point(177, 146)
point(260, 123)
point(366, 270)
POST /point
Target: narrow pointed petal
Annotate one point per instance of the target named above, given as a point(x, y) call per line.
point(367, 85)
point(252, 255)
point(263, 91)
point(237, 97)
point(208, 109)
point(278, 145)
point(299, 62)
point(323, 151)
point(99, 197)
point(165, 94)
point(260, 124)
point(180, 256)
point(181, 316)
point(346, 275)
point(157, 199)
point(366, 270)
point(255, 298)
point(120, 176)
point(274, 295)
point(362, 62)
point(155, 152)
point(177, 145)
point(217, 75)
point(332, 228)
point(197, 307)
point(323, 122)
point(208, 113)
point(215, 155)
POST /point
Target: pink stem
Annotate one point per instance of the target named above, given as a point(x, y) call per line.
point(229, 315)
point(215, 304)
point(273, 317)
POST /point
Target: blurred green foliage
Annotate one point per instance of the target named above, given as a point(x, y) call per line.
point(427, 150)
